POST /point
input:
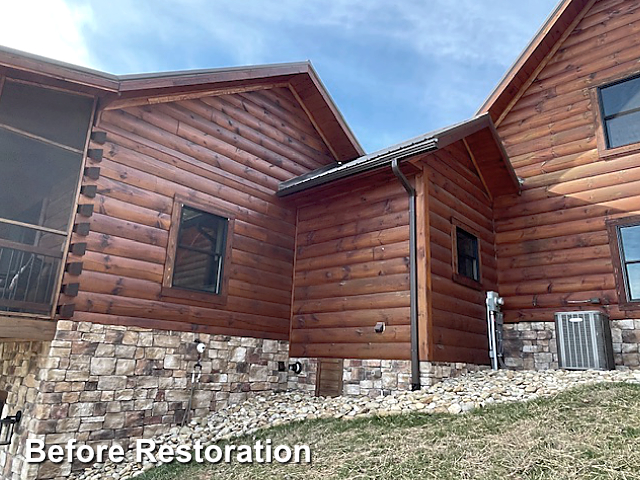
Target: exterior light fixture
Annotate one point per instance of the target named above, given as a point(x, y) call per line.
point(296, 367)
point(7, 428)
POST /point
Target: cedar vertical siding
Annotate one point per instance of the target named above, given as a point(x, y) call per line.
point(230, 151)
point(352, 271)
point(552, 243)
point(457, 327)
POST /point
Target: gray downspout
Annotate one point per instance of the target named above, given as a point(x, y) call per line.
point(413, 274)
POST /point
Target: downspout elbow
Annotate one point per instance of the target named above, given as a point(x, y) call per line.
point(395, 167)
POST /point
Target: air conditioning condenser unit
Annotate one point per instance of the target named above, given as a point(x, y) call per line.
point(584, 341)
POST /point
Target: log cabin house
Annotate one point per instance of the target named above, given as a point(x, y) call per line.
point(142, 214)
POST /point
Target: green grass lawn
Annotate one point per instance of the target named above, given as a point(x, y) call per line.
point(586, 433)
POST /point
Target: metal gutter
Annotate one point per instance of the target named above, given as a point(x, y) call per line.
point(363, 164)
point(426, 143)
point(413, 273)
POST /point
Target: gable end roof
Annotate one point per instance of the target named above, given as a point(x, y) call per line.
point(566, 13)
point(301, 77)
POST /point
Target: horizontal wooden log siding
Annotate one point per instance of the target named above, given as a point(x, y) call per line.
point(352, 266)
point(230, 151)
point(457, 328)
point(552, 243)
point(352, 271)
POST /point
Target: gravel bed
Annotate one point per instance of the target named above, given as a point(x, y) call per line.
point(454, 395)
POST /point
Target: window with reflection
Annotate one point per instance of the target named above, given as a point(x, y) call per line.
point(620, 107)
point(42, 137)
point(629, 248)
point(199, 253)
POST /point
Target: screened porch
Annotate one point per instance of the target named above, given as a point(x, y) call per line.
point(43, 133)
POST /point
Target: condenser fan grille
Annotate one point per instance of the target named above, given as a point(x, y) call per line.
point(584, 341)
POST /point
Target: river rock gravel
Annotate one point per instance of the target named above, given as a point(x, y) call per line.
point(455, 395)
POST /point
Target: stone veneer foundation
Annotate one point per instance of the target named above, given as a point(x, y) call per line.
point(103, 384)
point(377, 377)
point(532, 345)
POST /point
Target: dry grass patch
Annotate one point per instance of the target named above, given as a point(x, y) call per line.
point(586, 433)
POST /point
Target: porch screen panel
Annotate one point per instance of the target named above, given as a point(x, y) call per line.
point(42, 137)
point(51, 114)
point(36, 181)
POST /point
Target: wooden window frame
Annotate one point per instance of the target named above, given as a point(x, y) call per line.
point(458, 278)
point(168, 291)
point(598, 115)
point(613, 226)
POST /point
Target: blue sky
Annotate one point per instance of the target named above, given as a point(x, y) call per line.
point(396, 69)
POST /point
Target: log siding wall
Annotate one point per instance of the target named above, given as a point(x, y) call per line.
point(457, 327)
point(352, 271)
point(229, 151)
point(553, 247)
point(352, 266)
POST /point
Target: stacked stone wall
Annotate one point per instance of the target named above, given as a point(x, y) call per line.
point(102, 384)
point(374, 378)
point(22, 364)
point(305, 381)
point(532, 345)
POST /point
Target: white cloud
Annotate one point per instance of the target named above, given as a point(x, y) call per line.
point(466, 30)
point(51, 28)
point(396, 68)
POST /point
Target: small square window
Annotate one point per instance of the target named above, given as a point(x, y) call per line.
point(198, 253)
point(620, 111)
point(468, 255)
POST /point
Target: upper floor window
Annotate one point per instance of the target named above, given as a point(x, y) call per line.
point(199, 252)
point(620, 111)
point(625, 244)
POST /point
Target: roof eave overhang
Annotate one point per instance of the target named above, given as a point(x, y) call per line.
point(299, 76)
point(330, 174)
point(410, 149)
point(56, 70)
point(540, 45)
point(515, 181)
